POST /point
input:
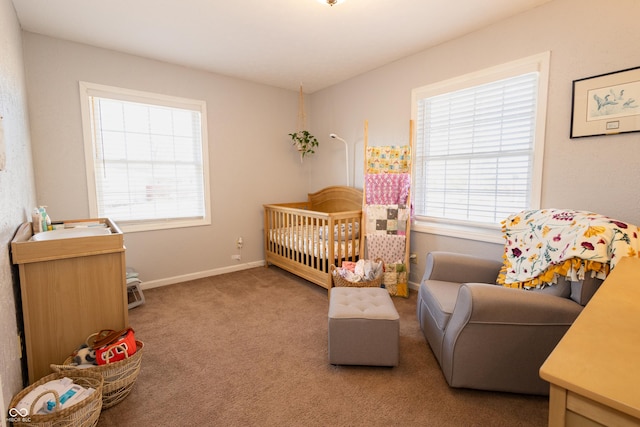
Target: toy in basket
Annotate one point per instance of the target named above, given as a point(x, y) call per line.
point(361, 274)
point(80, 406)
point(120, 366)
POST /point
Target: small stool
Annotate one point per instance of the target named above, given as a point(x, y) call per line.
point(135, 295)
point(364, 327)
point(134, 291)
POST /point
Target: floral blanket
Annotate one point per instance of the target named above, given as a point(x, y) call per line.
point(390, 248)
point(388, 159)
point(544, 244)
point(387, 188)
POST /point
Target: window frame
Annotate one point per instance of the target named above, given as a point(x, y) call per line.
point(88, 90)
point(474, 230)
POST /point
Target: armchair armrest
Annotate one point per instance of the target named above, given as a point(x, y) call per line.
point(459, 268)
point(483, 303)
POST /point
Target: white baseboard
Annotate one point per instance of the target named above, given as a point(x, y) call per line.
point(201, 274)
point(216, 271)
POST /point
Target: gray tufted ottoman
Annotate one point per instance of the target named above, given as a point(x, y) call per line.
point(364, 327)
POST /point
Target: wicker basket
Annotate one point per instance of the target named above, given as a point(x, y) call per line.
point(84, 413)
point(119, 377)
point(341, 281)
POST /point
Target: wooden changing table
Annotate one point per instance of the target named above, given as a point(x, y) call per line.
point(595, 369)
point(70, 289)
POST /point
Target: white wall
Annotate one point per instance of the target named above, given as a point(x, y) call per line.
point(251, 158)
point(585, 37)
point(252, 161)
point(17, 193)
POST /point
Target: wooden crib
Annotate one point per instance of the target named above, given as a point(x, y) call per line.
point(306, 238)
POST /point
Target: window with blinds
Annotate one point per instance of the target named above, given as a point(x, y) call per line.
point(146, 158)
point(479, 145)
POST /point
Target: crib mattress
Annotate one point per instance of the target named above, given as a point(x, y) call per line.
point(309, 241)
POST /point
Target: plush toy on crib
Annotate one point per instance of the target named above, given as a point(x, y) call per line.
point(84, 355)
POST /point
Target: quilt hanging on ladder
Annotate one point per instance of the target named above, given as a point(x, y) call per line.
point(387, 185)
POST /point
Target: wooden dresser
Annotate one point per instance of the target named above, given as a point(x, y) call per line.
point(70, 288)
point(595, 369)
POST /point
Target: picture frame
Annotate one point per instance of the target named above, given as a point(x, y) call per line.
point(606, 104)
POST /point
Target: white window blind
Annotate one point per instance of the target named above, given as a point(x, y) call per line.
point(479, 148)
point(475, 151)
point(148, 158)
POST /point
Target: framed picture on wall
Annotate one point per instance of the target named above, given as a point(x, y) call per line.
point(606, 104)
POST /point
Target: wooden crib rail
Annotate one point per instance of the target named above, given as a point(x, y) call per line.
point(306, 242)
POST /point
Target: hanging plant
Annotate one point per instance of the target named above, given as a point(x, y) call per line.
point(304, 142)
point(302, 139)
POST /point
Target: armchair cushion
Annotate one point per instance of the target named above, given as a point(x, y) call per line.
point(583, 290)
point(459, 268)
point(491, 304)
point(561, 289)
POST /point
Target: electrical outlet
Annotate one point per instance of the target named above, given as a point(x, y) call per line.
point(236, 257)
point(239, 243)
point(413, 258)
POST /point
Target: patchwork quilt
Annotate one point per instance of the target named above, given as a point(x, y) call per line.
point(387, 219)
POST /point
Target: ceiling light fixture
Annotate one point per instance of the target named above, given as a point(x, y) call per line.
point(332, 2)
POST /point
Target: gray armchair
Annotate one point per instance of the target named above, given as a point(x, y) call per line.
point(486, 336)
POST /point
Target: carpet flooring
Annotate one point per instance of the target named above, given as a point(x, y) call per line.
point(250, 349)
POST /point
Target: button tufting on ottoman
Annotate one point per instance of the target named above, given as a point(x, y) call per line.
point(364, 327)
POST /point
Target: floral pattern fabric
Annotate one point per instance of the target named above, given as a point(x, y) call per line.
point(388, 159)
point(387, 189)
point(390, 248)
point(541, 245)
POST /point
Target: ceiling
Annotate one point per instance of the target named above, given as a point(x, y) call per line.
point(283, 43)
